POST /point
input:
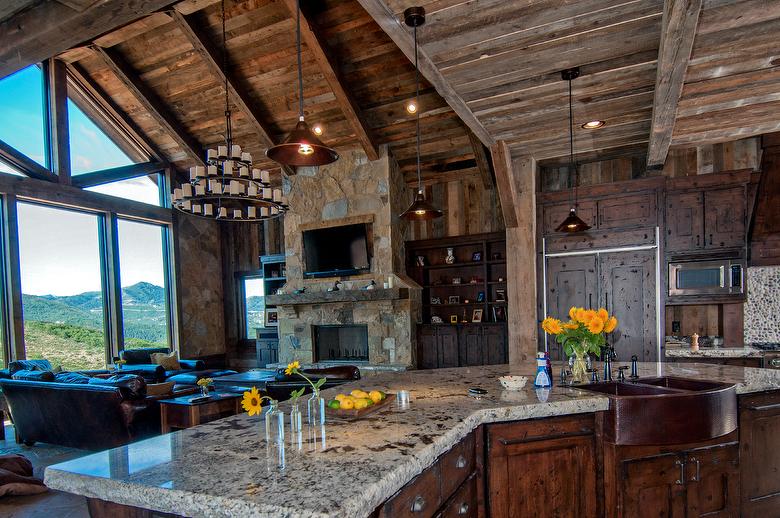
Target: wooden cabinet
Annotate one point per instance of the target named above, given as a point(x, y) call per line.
point(543, 467)
point(441, 346)
point(652, 487)
point(634, 210)
point(759, 426)
point(706, 219)
point(554, 214)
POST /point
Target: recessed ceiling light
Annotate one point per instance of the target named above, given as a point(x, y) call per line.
point(595, 124)
point(317, 129)
point(411, 107)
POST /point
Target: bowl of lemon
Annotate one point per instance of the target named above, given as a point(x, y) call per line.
point(358, 403)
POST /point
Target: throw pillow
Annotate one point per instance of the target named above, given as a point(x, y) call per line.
point(75, 378)
point(16, 477)
point(159, 389)
point(130, 385)
point(169, 362)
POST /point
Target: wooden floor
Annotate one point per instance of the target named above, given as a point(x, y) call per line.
point(47, 505)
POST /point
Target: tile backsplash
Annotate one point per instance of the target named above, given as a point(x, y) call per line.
point(762, 308)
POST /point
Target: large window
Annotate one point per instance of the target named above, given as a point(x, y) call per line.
point(143, 269)
point(59, 255)
point(22, 109)
point(254, 306)
point(143, 188)
point(90, 147)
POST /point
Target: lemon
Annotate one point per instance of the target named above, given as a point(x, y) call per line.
point(375, 396)
point(359, 394)
point(339, 397)
point(334, 404)
point(361, 403)
point(347, 404)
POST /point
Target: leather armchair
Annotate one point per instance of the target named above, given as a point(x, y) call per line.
point(285, 385)
point(139, 361)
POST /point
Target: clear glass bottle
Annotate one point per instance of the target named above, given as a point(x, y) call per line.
point(274, 423)
point(296, 418)
point(315, 409)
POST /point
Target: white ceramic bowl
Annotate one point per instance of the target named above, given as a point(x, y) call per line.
point(513, 382)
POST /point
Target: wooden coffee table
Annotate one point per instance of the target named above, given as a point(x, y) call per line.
point(182, 412)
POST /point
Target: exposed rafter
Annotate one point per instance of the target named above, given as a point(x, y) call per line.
point(152, 103)
point(114, 174)
point(505, 183)
point(46, 28)
point(400, 34)
point(483, 161)
point(678, 30)
point(328, 65)
point(19, 161)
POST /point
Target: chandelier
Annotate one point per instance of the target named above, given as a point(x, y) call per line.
point(228, 187)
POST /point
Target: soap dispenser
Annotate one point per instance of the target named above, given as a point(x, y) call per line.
point(542, 379)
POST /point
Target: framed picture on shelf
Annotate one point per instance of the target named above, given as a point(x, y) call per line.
point(499, 314)
point(436, 319)
point(271, 317)
point(435, 300)
point(420, 260)
point(456, 280)
point(500, 295)
point(481, 296)
point(453, 299)
point(453, 319)
point(476, 316)
point(476, 256)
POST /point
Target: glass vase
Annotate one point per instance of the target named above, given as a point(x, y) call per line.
point(315, 409)
point(274, 423)
point(579, 366)
point(204, 390)
point(296, 419)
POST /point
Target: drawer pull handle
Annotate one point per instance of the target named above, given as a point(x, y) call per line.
point(464, 508)
point(762, 408)
point(461, 462)
point(775, 362)
point(419, 504)
point(680, 481)
point(697, 476)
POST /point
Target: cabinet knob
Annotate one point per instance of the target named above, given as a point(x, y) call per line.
point(418, 505)
point(464, 509)
point(461, 462)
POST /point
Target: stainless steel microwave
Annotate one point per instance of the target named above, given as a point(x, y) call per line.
point(721, 277)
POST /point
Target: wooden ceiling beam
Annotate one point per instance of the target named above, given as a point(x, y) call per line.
point(24, 164)
point(403, 39)
point(678, 30)
point(152, 103)
point(44, 29)
point(483, 161)
point(502, 165)
point(316, 44)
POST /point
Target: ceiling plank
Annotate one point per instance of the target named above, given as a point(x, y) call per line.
point(483, 161)
point(47, 28)
point(678, 30)
point(328, 66)
point(152, 103)
point(402, 37)
point(502, 165)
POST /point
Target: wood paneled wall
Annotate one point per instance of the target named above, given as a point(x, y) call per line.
point(469, 208)
point(712, 158)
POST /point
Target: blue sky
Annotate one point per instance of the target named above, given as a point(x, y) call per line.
point(58, 248)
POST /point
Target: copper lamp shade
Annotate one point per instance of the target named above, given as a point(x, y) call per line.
point(421, 210)
point(302, 148)
point(572, 223)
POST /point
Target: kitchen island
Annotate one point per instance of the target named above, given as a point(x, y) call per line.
point(346, 469)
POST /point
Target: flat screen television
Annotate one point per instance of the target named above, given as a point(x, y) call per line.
point(336, 251)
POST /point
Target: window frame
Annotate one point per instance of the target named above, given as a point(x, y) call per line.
point(241, 278)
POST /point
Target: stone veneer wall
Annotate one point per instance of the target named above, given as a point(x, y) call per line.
point(202, 316)
point(762, 306)
point(352, 187)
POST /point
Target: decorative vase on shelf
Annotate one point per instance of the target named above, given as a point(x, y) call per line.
point(579, 365)
point(315, 409)
point(296, 419)
point(204, 390)
point(450, 258)
point(274, 423)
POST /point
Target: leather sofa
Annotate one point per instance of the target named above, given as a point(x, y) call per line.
point(91, 414)
point(283, 385)
point(139, 361)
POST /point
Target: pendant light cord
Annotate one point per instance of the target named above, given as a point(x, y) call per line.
point(228, 123)
point(417, 112)
point(572, 165)
point(300, 61)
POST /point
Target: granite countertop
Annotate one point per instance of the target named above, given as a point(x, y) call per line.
point(714, 352)
point(225, 468)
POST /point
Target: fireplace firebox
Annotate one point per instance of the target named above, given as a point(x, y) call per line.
point(341, 343)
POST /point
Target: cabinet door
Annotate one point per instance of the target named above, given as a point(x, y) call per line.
point(447, 345)
point(653, 487)
point(684, 221)
point(759, 428)
point(553, 215)
point(724, 217)
point(628, 283)
point(713, 481)
point(571, 281)
point(427, 349)
point(471, 346)
point(635, 210)
point(495, 344)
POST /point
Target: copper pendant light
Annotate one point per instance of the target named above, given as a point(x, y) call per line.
point(301, 147)
point(420, 209)
point(572, 223)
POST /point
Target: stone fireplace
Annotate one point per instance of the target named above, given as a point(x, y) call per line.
point(350, 191)
point(340, 342)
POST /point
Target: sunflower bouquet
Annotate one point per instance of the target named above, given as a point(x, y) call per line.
point(584, 333)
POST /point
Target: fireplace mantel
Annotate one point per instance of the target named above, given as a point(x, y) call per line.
point(326, 297)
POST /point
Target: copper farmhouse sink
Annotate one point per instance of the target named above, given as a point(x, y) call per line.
point(667, 410)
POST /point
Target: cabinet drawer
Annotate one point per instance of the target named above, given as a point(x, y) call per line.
point(456, 465)
point(504, 437)
point(420, 498)
point(463, 503)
